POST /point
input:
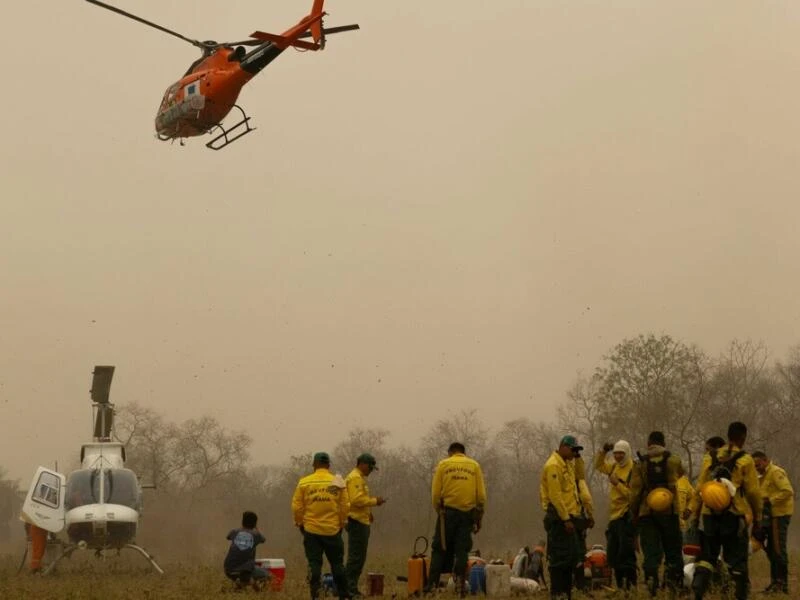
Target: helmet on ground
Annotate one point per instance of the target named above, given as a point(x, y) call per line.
point(659, 500)
point(715, 495)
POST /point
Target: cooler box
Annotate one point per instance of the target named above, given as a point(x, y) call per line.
point(276, 567)
point(498, 580)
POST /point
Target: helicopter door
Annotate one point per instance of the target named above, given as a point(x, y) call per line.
point(44, 504)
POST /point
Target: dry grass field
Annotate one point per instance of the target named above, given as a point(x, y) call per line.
point(88, 578)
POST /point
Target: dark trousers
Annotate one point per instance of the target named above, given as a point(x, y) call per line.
point(332, 546)
point(776, 529)
point(661, 539)
point(564, 552)
point(452, 556)
point(621, 538)
point(727, 532)
point(357, 542)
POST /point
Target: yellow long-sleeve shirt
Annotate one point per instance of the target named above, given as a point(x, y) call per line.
point(318, 505)
point(360, 500)
point(685, 496)
point(584, 494)
point(776, 487)
point(558, 487)
point(620, 493)
point(458, 483)
point(744, 478)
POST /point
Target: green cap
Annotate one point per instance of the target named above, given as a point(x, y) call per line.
point(367, 459)
point(569, 440)
point(322, 457)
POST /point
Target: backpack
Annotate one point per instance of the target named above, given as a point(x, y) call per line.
point(724, 468)
point(657, 472)
point(535, 568)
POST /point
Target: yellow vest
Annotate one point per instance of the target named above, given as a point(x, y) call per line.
point(318, 505)
point(775, 486)
point(360, 500)
point(620, 493)
point(458, 483)
point(558, 487)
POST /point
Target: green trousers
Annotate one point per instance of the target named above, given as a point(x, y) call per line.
point(357, 542)
point(777, 529)
point(450, 555)
point(661, 539)
point(332, 547)
point(565, 551)
point(621, 537)
point(727, 532)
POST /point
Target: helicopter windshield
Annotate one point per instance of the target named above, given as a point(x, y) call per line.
point(120, 487)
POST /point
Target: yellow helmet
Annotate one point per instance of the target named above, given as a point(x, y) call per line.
point(659, 500)
point(715, 495)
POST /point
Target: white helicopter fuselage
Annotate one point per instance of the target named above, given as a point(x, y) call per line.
point(99, 504)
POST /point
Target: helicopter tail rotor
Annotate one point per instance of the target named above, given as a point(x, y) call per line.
point(101, 388)
point(317, 31)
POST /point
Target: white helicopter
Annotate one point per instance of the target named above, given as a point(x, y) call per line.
point(100, 503)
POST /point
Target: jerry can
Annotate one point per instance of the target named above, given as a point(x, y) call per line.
point(418, 569)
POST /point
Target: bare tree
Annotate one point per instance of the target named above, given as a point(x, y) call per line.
point(651, 383)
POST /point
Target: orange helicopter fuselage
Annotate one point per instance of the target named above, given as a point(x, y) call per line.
point(197, 103)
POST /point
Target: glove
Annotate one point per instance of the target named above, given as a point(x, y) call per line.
point(608, 447)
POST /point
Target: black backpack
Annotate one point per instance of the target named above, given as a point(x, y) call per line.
point(724, 468)
point(657, 472)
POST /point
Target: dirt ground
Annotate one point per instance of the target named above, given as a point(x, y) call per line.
point(88, 578)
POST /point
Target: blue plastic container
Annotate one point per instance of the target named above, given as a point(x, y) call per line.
point(477, 579)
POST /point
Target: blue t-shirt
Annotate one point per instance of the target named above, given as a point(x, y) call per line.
point(242, 552)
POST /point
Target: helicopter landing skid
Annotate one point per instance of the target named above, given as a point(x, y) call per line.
point(223, 137)
point(149, 557)
point(70, 548)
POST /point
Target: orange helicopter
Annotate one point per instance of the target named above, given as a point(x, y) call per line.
point(197, 103)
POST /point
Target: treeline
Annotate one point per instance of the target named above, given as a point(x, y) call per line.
point(205, 475)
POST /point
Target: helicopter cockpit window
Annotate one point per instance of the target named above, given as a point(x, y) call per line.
point(46, 490)
point(79, 489)
point(123, 488)
point(120, 486)
point(169, 96)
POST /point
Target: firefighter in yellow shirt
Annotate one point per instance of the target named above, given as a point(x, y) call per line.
point(621, 534)
point(728, 490)
point(558, 493)
point(320, 506)
point(359, 519)
point(654, 506)
point(685, 496)
point(778, 500)
point(458, 494)
point(586, 521)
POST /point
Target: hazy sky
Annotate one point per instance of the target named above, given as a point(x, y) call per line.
point(461, 205)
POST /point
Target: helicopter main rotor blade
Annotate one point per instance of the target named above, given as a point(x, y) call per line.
point(145, 22)
point(243, 43)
